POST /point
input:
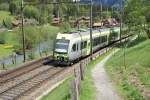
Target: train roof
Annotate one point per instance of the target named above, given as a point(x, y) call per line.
point(85, 33)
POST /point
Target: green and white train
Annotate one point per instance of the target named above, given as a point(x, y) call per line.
point(71, 46)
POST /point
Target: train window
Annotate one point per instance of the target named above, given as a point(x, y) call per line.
point(82, 45)
point(85, 44)
point(96, 41)
point(74, 47)
point(77, 46)
point(103, 39)
point(100, 39)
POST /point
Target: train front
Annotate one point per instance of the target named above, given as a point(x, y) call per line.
point(61, 49)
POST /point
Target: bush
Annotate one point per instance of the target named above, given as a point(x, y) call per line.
point(7, 22)
point(32, 37)
point(12, 8)
point(65, 27)
point(31, 12)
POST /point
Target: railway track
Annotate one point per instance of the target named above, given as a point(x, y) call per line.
point(17, 90)
point(17, 83)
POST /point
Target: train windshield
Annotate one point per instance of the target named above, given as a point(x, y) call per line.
point(61, 45)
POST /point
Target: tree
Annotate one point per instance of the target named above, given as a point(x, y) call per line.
point(136, 18)
point(31, 12)
point(12, 8)
point(65, 27)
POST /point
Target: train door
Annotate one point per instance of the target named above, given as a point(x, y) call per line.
point(74, 51)
point(88, 47)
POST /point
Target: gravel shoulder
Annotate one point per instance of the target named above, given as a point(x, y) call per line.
point(104, 86)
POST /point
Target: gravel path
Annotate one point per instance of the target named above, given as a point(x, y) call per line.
point(104, 87)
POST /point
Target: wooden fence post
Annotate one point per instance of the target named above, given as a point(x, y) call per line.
point(3, 64)
point(81, 71)
point(15, 57)
point(40, 54)
point(75, 86)
point(12, 59)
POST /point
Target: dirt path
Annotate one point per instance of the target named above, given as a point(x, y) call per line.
point(104, 88)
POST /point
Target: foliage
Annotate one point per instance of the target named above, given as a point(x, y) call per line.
point(12, 8)
point(7, 22)
point(4, 15)
point(136, 18)
point(31, 12)
point(15, 7)
point(65, 27)
point(116, 15)
point(106, 14)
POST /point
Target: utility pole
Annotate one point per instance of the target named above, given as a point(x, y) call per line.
point(78, 27)
point(78, 15)
point(91, 39)
point(121, 20)
point(112, 11)
point(23, 34)
point(122, 14)
point(101, 9)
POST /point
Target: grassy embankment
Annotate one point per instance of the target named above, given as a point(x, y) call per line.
point(62, 92)
point(88, 90)
point(132, 80)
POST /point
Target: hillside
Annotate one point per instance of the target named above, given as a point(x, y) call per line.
point(132, 81)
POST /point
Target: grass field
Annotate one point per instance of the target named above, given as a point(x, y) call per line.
point(133, 79)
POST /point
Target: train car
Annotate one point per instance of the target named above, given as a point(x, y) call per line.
point(71, 46)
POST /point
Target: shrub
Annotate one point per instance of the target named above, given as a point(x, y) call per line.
point(12, 8)
point(31, 12)
point(65, 27)
point(7, 22)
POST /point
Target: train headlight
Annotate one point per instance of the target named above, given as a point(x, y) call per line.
point(61, 57)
